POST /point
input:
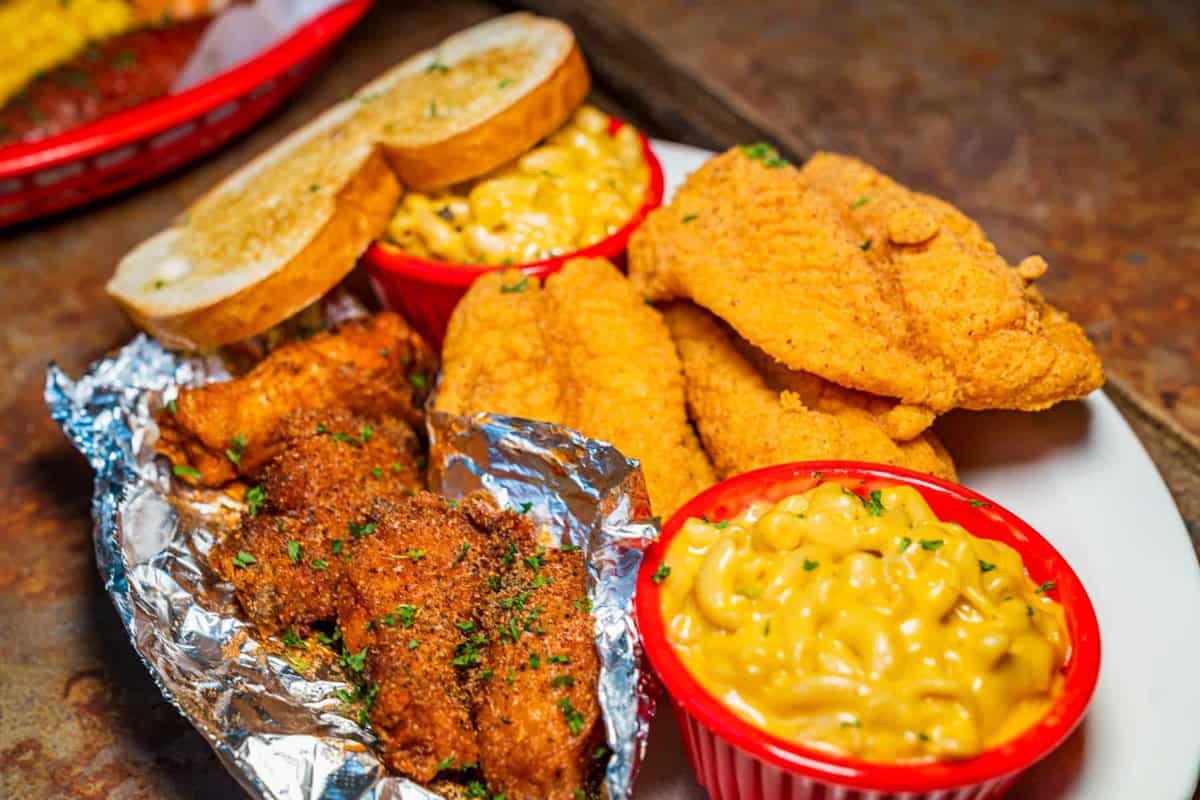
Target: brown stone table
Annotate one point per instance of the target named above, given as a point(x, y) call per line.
point(1065, 131)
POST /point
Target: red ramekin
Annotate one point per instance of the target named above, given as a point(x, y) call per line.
point(734, 760)
point(426, 291)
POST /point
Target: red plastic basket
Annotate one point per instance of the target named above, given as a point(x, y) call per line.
point(131, 147)
point(734, 760)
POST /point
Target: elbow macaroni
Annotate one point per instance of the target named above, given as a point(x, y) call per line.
point(864, 626)
point(578, 187)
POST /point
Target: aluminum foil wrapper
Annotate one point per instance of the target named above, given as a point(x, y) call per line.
point(273, 715)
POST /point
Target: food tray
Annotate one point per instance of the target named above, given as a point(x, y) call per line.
point(131, 147)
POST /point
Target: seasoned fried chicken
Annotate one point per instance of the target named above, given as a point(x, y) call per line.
point(375, 367)
point(537, 712)
point(413, 589)
point(286, 559)
point(582, 351)
point(745, 423)
point(836, 270)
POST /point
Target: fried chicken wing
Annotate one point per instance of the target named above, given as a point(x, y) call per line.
point(411, 601)
point(286, 559)
point(538, 714)
point(582, 351)
point(745, 424)
point(375, 367)
point(836, 270)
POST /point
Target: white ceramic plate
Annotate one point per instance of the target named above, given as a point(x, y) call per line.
point(1078, 474)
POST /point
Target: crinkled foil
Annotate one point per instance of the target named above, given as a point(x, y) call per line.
point(272, 715)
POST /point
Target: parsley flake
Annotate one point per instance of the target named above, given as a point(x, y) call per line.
point(809, 566)
point(931, 544)
point(985, 566)
point(660, 574)
point(514, 288)
point(255, 497)
point(184, 471)
point(295, 551)
point(244, 559)
point(1045, 587)
point(572, 715)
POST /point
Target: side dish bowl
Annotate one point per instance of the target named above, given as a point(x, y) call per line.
point(735, 760)
point(426, 291)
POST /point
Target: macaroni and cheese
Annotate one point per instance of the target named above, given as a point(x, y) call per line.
point(576, 188)
point(863, 625)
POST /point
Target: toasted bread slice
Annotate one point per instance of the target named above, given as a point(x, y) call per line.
point(478, 100)
point(284, 229)
point(266, 242)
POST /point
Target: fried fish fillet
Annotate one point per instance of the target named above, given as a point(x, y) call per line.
point(838, 271)
point(409, 611)
point(286, 560)
point(745, 424)
point(538, 714)
point(582, 351)
point(375, 367)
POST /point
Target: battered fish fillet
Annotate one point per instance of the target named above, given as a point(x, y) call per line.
point(836, 270)
point(583, 351)
point(538, 714)
point(745, 424)
point(286, 560)
point(409, 613)
point(376, 368)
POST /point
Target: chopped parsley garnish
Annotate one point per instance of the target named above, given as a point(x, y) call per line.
point(417, 379)
point(290, 639)
point(406, 614)
point(237, 446)
point(861, 201)
point(905, 543)
point(463, 549)
point(560, 681)
point(536, 561)
point(584, 604)
point(689, 218)
point(445, 763)
point(172, 407)
point(318, 563)
point(504, 84)
point(342, 436)
point(432, 111)
point(1028, 610)
point(852, 723)
point(979, 503)
point(1045, 587)
point(924, 737)
point(365, 433)
point(295, 551)
point(413, 644)
point(437, 66)
point(376, 472)
point(255, 497)
point(572, 715)
point(809, 566)
point(985, 566)
point(329, 640)
point(321, 428)
point(184, 471)
point(336, 546)
point(415, 555)
point(721, 525)
point(661, 573)
point(465, 627)
point(931, 544)
point(525, 507)
point(569, 548)
point(125, 59)
point(768, 155)
point(511, 555)
point(519, 286)
point(865, 246)
point(244, 559)
point(397, 467)
point(601, 752)
point(534, 661)
point(355, 661)
point(361, 529)
point(559, 659)
point(873, 504)
point(494, 583)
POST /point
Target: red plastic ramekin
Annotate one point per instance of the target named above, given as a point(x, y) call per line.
point(734, 760)
point(426, 291)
